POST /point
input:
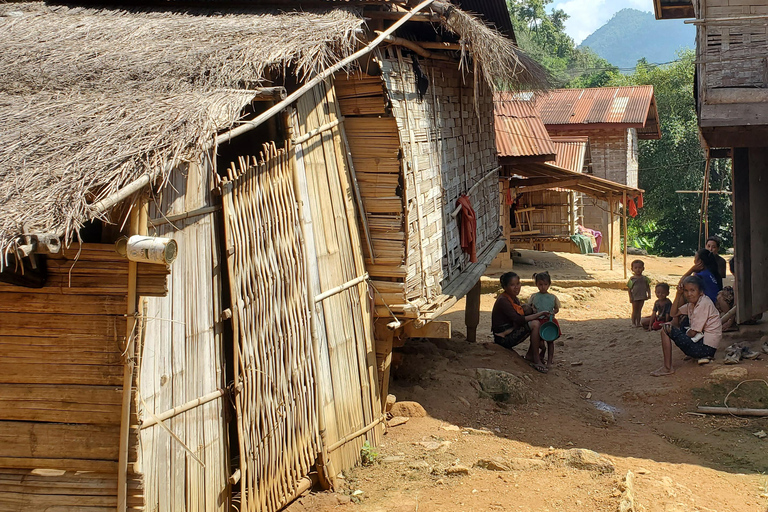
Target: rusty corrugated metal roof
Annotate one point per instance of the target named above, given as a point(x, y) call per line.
point(621, 107)
point(519, 129)
point(571, 152)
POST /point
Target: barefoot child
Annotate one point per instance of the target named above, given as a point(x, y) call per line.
point(639, 287)
point(661, 309)
point(545, 302)
point(702, 338)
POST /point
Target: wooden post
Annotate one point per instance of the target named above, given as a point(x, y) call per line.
point(472, 312)
point(384, 337)
point(572, 212)
point(138, 225)
point(742, 237)
point(626, 241)
point(611, 231)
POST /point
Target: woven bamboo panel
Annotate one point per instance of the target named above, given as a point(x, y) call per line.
point(448, 146)
point(346, 374)
point(182, 357)
point(276, 420)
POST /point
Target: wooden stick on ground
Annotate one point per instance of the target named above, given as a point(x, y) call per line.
point(737, 411)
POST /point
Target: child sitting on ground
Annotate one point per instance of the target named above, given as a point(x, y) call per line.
point(639, 287)
point(545, 302)
point(662, 309)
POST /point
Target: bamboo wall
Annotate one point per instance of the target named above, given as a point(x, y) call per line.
point(305, 368)
point(61, 377)
point(448, 145)
point(347, 371)
point(182, 357)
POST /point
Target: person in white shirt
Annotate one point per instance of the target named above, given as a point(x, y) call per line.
point(702, 338)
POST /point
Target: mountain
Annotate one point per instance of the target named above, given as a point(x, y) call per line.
point(631, 35)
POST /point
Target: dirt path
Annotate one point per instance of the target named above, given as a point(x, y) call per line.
point(681, 462)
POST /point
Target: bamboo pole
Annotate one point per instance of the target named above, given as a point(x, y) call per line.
point(626, 241)
point(420, 50)
point(138, 213)
point(612, 231)
point(349, 437)
point(321, 77)
point(737, 411)
point(341, 288)
point(183, 408)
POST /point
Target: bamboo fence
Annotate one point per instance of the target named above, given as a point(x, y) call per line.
point(274, 368)
point(183, 357)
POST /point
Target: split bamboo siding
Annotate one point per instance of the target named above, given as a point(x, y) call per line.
point(182, 357)
point(61, 379)
point(304, 367)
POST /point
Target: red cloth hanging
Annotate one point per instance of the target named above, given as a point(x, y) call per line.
point(468, 228)
point(509, 197)
point(640, 201)
point(632, 208)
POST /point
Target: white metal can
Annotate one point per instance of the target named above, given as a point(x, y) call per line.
point(148, 249)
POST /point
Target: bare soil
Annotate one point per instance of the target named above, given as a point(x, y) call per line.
point(681, 461)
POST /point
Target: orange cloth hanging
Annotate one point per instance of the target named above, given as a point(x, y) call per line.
point(640, 201)
point(632, 208)
point(468, 228)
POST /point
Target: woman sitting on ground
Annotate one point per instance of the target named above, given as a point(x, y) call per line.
point(705, 267)
point(702, 338)
point(512, 324)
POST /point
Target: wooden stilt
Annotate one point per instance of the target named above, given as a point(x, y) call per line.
point(472, 312)
point(626, 240)
point(611, 231)
point(384, 337)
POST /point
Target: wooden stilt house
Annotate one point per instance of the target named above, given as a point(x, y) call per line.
point(245, 370)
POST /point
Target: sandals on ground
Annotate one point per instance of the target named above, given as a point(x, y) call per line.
point(538, 367)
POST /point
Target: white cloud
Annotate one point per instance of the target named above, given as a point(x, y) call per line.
point(586, 16)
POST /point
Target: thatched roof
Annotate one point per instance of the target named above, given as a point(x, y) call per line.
point(91, 99)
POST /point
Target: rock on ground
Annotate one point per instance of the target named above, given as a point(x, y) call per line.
point(408, 410)
point(580, 458)
point(502, 386)
point(457, 470)
point(391, 399)
point(728, 373)
point(493, 464)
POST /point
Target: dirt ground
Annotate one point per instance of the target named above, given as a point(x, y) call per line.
point(598, 396)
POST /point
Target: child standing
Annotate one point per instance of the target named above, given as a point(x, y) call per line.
point(545, 302)
point(639, 287)
point(661, 309)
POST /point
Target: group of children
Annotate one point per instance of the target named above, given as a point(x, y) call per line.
point(639, 287)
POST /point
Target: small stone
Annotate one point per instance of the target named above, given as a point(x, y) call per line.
point(397, 421)
point(761, 434)
point(408, 409)
point(464, 401)
point(440, 481)
point(478, 431)
point(608, 417)
point(357, 492)
point(391, 399)
point(457, 470)
point(643, 471)
point(420, 465)
point(728, 373)
point(432, 446)
point(580, 458)
point(502, 386)
point(493, 464)
point(577, 363)
point(451, 428)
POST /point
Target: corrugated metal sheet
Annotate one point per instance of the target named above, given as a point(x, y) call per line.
point(494, 11)
point(630, 107)
point(571, 152)
point(519, 129)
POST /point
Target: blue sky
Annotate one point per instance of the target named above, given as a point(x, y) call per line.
point(586, 16)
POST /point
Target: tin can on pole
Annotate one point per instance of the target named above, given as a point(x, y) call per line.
point(148, 249)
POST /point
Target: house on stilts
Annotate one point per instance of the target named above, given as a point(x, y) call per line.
point(215, 224)
point(732, 107)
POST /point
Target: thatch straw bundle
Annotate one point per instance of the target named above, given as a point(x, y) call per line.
point(91, 99)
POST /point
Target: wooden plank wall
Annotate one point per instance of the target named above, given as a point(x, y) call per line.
point(374, 144)
point(733, 52)
point(447, 148)
point(61, 383)
point(347, 373)
point(182, 357)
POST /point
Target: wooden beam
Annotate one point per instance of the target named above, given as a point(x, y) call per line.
point(742, 236)
point(612, 231)
point(472, 312)
point(436, 329)
point(414, 47)
point(549, 184)
point(626, 241)
point(396, 16)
